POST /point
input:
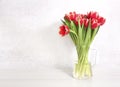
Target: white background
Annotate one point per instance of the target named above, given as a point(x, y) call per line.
point(33, 54)
point(29, 33)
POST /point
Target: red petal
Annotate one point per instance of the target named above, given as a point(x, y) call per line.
point(81, 21)
point(95, 25)
point(92, 15)
point(64, 30)
point(86, 22)
point(101, 20)
point(66, 17)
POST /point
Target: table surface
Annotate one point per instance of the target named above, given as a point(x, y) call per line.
point(59, 77)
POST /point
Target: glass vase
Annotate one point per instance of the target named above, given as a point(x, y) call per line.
point(83, 65)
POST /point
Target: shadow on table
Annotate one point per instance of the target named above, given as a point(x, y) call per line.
point(67, 70)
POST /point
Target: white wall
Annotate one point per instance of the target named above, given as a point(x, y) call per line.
point(29, 33)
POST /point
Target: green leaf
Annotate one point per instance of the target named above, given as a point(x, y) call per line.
point(84, 31)
point(73, 37)
point(67, 23)
point(74, 33)
point(73, 27)
point(63, 22)
point(80, 33)
point(88, 34)
point(94, 32)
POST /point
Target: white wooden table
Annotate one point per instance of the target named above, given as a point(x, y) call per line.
point(59, 77)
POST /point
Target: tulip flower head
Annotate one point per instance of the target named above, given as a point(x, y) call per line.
point(84, 20)
point(64, 30)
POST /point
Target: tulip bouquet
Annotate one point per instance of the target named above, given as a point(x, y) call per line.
point(82, 29)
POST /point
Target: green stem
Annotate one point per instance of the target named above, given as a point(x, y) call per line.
point(82, 68)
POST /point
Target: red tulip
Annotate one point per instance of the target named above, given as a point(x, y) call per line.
point(71, 16)
point(76, 22)
point(64, 30)
point(92, 15)
point(81, 18)
point(101, 20)
point(66, 17)
point(94, 23)
point(81, 21)
point(78, 18)
point(86, 22)
point(84, 19)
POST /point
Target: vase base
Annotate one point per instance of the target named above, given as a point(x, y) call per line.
point(82, 73)
point(81, 77)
